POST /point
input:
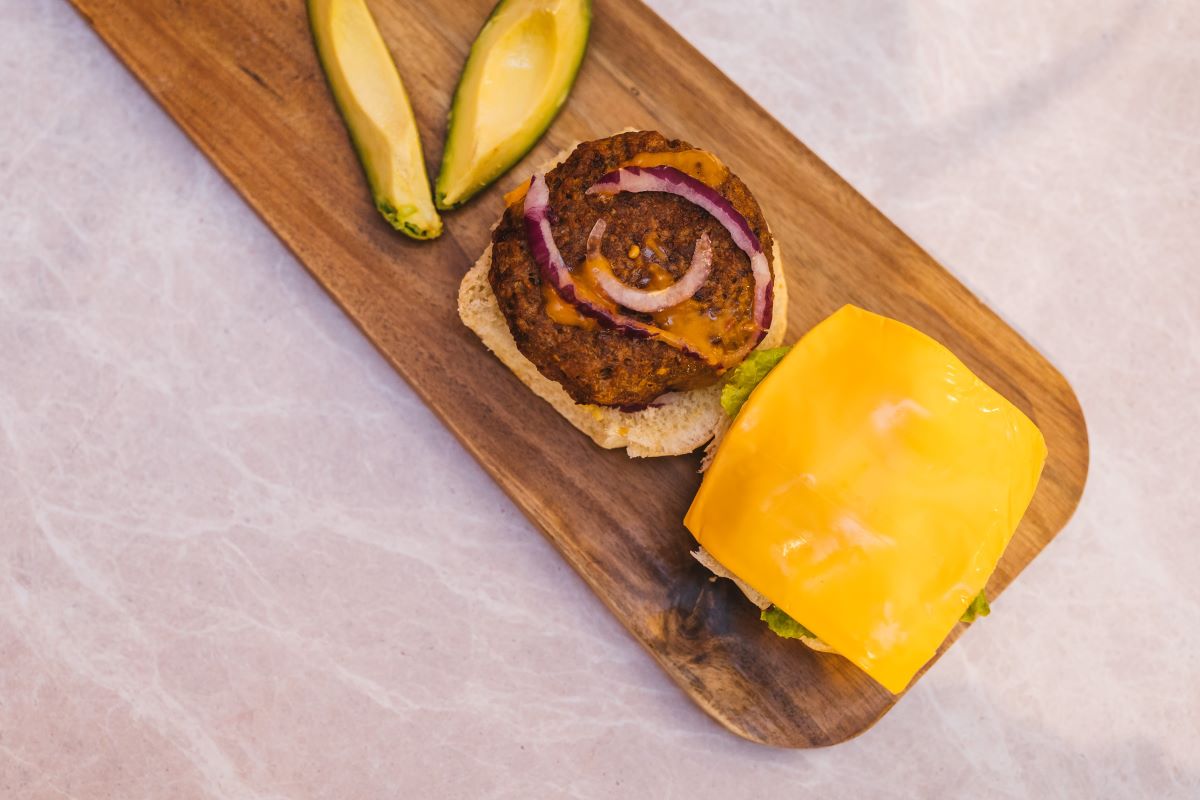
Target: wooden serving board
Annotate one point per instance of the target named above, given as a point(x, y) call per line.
point(240, 77)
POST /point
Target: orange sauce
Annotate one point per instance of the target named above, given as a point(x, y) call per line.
point(703, 332)
point(516, 194)
point(700, 164)
point(563, 312)
point(690, 320)
point(687, 325)
point(659, 277)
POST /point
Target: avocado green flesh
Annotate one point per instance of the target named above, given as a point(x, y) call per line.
point(377, 113)
point(517, 77)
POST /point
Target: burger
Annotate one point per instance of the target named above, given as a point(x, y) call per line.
point(624, 283)
point(864, 491)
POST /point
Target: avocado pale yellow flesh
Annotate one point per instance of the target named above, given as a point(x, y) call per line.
point(517, 77)
point(375, 107)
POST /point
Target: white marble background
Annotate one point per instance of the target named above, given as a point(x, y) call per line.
point(238, 559)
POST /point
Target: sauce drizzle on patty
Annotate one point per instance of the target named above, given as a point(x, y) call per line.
point(702, 328)
point(700, 164)
point(692, 324)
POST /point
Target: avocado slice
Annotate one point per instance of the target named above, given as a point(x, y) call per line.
point(375, 107)
point(517, 77)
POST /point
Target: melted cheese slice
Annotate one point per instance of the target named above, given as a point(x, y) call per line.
point(868, 488)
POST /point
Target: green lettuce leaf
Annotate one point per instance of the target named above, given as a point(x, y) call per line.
point(979, 608)
point(778, 620)
point(747, 375)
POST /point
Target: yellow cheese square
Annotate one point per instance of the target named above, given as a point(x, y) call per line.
point(868, 488)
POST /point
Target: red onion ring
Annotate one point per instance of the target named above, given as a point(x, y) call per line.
point(672, 181)
point(554, 271)
point(649, 301)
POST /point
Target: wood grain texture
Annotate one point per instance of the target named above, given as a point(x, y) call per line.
point(241, 78)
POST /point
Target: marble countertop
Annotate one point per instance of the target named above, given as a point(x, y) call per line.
point(239, 559)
